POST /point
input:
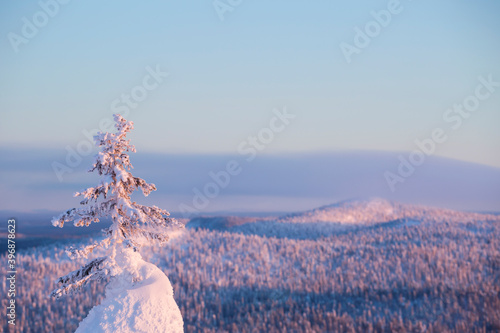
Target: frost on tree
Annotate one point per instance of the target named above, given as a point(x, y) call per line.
point(133, 225)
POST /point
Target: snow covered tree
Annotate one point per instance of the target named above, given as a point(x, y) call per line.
point(133, 225)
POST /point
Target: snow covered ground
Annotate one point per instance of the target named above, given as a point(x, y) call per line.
point(412, 268)
point(145, 306)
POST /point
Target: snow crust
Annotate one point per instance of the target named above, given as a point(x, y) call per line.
point(137, 300)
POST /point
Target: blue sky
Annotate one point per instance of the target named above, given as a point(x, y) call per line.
point(226, 76)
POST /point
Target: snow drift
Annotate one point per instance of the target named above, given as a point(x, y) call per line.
point(141, 300)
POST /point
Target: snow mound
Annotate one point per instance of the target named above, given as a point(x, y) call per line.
point(377, 211)
point(349, 212)
point(147, 305)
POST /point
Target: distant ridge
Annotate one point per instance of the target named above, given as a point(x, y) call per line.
point(348, 213)
point(377, 210)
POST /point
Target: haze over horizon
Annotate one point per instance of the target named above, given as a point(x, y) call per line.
point(273, 183)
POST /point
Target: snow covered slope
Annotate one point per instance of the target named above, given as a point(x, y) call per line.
point(349, 212)
point(341, 217)
point(376, 211)
point(143, 306)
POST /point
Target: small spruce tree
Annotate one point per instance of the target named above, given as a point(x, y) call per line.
point(133, 225)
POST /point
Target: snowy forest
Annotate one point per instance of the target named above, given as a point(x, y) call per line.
point(398, 268)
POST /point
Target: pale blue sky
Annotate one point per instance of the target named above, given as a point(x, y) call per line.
point(227, 76)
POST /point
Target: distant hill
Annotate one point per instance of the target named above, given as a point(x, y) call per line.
point(340, 217)
point(219, 222)
point(376, 210)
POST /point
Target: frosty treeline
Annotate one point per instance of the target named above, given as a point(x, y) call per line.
point(133, 225)
point(432, 277)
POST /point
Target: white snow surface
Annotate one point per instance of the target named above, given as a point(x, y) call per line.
point(146, 305)
point(377, 210)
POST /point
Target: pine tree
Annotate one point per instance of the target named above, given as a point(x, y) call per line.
point(133, 225)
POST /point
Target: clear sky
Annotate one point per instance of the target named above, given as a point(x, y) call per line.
point(226, 76)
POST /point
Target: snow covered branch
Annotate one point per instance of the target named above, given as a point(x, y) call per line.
point(75, 280)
